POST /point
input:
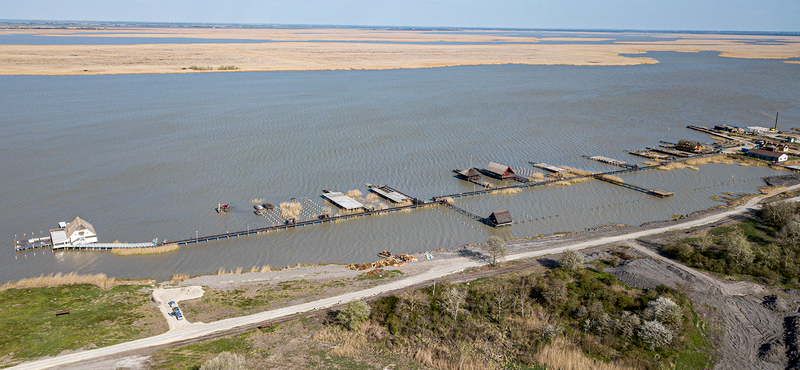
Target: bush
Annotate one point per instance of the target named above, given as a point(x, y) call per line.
point(665, 311)
point(655, 334)
point(225, 361)
point(571, 260)
point(353, 315)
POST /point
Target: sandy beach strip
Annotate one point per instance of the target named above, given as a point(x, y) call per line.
point(355, 49)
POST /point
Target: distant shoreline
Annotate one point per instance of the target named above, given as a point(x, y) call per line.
point(340, 48)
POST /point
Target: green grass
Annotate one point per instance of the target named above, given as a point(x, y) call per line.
point(193, 355)
point(30, 328)
point(697, 352)
point(383, 275)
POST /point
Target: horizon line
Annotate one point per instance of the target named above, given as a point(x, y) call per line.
point(86, 23)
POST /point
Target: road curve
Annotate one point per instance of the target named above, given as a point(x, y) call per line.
point(199, 330)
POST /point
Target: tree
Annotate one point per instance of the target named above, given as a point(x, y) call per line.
point(495, 248)
point(571, 260)
point(225, 361)
point(454, 299)
point(771, 255)
point(790, 232)
point(777, 213)
point(740, 252)
point(354, 315)
point(655, 334)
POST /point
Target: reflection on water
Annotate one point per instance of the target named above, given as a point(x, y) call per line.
point(150, 156)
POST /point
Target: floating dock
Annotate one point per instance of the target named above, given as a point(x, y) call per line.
point(611, 161)
point(672, 152)
point(32, 243)
point(107, 246)
point(388, 193)
point(650, 155)
point(548, 167)
point(343, 201)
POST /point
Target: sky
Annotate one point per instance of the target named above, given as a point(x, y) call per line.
point(703, 15)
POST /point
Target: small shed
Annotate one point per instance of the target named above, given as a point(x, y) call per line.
point(498, 170)
point(500, 218)
point(469, 174)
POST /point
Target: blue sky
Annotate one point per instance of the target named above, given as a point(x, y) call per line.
point(713, 15)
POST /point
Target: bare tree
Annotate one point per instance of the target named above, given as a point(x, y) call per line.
point(454, 299)
point(494, 247)
point(500, 297)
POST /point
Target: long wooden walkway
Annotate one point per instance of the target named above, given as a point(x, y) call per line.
point(286, 226)
point(469, 214)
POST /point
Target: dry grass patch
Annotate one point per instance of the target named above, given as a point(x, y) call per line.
point(536, 175)
point(145, 250)
point(290, 210)
point(355, 193)
point(563, 355)
point(613, 178)
point(720, 159)
point(508, 191)
point(54, 280)
point(676, 166)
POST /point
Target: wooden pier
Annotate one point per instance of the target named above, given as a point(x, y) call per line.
point(286, 226)
point(656, 192)
point(469, 214)
point(711, 132)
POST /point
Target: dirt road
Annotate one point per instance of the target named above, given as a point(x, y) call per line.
point(448, 267)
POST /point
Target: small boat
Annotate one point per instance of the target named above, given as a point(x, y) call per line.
point(268, 206)
point(258, 207)
point(222, 208)
point(384, 254)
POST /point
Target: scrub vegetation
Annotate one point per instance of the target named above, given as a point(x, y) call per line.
point(765, 248)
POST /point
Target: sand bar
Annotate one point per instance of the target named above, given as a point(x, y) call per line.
point(358, 49)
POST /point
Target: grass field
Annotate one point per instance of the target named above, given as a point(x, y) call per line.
point(97, 318)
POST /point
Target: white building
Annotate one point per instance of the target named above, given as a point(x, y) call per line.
point(77, 231)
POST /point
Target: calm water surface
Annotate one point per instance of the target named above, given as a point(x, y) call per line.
point(145, 156)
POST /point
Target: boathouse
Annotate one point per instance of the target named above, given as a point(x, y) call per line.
point(768, 155)
point(500, 218)
point(689, 146)
point(469, 174)
point(498, 170)
point(77, 231)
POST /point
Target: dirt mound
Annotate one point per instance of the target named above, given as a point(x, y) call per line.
point(645, 273)
point(776, 304)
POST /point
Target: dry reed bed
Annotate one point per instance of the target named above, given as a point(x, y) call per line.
point(53, 280)
point(290, 210)
point(145, 250)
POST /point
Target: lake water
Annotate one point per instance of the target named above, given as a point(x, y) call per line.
point(146, 156)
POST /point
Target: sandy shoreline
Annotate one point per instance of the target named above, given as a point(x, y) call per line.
point(356, 49)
